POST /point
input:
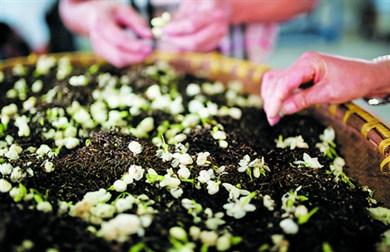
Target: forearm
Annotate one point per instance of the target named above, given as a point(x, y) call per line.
point(246, 11)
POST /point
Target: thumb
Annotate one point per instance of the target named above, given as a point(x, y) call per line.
point(317, 94)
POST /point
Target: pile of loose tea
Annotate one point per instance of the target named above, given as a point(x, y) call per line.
point(145, 158)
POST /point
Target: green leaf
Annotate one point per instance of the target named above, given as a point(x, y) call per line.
point(264, 247)
point(305, 218)
point(137, 247)
point(236, 240)
point(326, 247)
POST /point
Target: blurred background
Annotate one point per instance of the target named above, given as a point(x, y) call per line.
point(351, 28)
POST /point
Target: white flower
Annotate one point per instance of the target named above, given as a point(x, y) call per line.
point(80, 80)
point(12, 154)
point(135, 147)
point(337, 166)
point(63, 207)
point(323, 147)
point(176, 106)
point(124, 204)
point(5, 186)
point(195, 232)
point(165, 155)
point(328, 136)
point(102, 210)
point(17, 175)
point(213, 222)
point(44, 206)
point(243, 163)
point(178, 233)
point(6, 168)
point(208, 237)
point(170, 182)
point(22, 123)
point(136, 172)
point(97, 196)
point(205, 175)
point(190, 121)
point(212, 187)
point(235, 113)
point(289, 226)
point(128, 179)
point(120, 185)
point(238, 209)
point(193, 89)
point(234, 192)
point(153, 92)
point(301, 210)
point(219, 135)
point(183, 172)
point(178, 138)
point(181, 158)
point(176, 192)
point(191, 205)
point(224, 242)
point(43, 150)
point(223, 144)
point(202, 158)
point(121, 227)
point(213, 88)
point(292, 142)
point(37, 86)
point(71, 142)
point(308, 162)
point(146, 220)
point(268, 202)
point(185, 159)
point(48, 166)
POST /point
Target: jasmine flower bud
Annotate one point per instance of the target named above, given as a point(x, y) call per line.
point(178, 233)
point(183, 172)
point(48, 166)
point(289, 226)
point(5, 186)
point(44, 206)
point(208, 237)
point(135, 147)
point(120, 185)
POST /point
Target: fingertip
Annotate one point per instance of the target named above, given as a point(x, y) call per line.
point(273, 120)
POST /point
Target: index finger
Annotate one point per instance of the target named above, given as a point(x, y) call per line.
point(279, 85)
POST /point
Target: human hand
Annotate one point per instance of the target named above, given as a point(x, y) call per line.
point(335, 80)
point(197, 26)
point(110, 26)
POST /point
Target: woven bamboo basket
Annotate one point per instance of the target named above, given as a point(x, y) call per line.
point(364, 139)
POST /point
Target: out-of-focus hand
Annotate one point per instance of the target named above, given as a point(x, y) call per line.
point(335, 80)
point(197, 25)
point(113, 29)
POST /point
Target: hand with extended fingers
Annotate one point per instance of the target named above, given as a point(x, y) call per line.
point(116, 31)
point(335, 80)
point(197, 25)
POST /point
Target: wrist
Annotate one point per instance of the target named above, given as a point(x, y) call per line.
point(382, 92)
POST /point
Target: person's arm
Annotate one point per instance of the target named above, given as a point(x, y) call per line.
point(335, 80)
point(248, 11)
point(71, 12)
